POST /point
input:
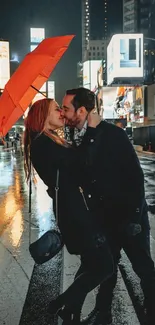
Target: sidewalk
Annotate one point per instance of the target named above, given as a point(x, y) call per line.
point(123, 311)
point(17, 229)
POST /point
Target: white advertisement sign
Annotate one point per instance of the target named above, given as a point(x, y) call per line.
point(4, 64)
point(51, 89)
point(37, 35)
point(109, 98)
point(90, 73)
point(125, 57)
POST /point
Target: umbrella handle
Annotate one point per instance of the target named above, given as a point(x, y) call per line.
point(30, 188)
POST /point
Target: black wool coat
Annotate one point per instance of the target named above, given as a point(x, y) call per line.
point(116, 178)
point(47, 157)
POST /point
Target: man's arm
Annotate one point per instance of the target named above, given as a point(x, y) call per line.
point(133, 176)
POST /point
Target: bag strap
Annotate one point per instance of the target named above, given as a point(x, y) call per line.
point(56, 194)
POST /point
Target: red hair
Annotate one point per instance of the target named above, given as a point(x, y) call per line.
point(37, 115)
point(34, 122)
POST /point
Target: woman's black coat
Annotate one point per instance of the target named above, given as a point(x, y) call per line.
point(47, 157)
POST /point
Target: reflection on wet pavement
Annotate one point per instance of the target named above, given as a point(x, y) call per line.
point(17, 229)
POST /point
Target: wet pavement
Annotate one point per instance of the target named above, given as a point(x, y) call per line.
point(22, 283)
point(25, 288)
point(131, 279)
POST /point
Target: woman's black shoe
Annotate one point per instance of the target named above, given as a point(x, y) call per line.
point(65, 313)
point(69, 318)
point(54, 307)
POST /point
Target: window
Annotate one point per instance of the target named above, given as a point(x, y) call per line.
point(103, 48)
point(144, 1)
point(144, 20)
point(144, 10)
point(93, 53)
point(89, 53)
point(102, 53)
point(98, 53)
point(93, 47)
point(97, 48)
point(132, 49)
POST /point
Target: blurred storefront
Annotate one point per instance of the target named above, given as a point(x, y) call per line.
point(123, 102)
point(129, 103)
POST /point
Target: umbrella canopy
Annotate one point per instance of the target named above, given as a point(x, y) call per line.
point(34, 71)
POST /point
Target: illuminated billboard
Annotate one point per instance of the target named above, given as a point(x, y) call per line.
point(37, 35)
point(109, 98)
point(123, 103)
point(4, 63)
point(90, 74)
point(125, 58)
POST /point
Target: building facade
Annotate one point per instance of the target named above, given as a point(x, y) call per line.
point(130, 16)
point(99, 24)
point(139, 17)
point(95, 33)
point(85, 27)
point(95, 25)
point(97, 50)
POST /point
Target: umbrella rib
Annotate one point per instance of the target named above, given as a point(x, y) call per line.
point(38, 91)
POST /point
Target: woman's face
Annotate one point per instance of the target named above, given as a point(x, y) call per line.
point(55, 117)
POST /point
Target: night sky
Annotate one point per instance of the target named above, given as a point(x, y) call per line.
point(58, 17)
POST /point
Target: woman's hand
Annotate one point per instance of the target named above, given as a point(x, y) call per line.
point(93, 119)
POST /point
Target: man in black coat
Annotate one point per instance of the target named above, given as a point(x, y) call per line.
point(116, 182)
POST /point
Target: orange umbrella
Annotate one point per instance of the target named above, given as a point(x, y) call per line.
point(30, 76)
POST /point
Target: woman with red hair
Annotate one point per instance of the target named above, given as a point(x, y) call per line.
point(49, 153)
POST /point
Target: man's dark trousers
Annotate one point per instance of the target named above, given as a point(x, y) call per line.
point(137, 249)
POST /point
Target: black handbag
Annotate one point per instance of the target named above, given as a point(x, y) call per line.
point(50, 244)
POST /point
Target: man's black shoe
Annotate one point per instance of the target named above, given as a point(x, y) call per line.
point(150, 312)
point(103, 319)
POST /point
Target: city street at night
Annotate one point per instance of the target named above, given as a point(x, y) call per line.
point(78, 78)
point(27, 289)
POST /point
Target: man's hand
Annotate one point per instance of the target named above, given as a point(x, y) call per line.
point(93, 119)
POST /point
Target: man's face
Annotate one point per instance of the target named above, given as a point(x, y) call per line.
point(72, 118)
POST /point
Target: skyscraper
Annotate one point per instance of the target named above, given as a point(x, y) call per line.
point(94, 22)
point(136, 14)
point(85, 26)
point(99, 27)
point(139, 17)
point(130, 13)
